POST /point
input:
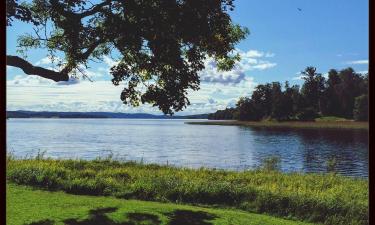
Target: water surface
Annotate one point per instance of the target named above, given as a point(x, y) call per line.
point(180, 144)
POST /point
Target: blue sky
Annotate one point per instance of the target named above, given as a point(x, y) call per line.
point(283, 41)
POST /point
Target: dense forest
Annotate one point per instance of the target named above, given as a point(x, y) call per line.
point(344, 94)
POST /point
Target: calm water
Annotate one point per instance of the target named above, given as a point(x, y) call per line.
point(173, 142)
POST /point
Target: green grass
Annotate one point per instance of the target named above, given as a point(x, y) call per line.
point(322, 123)
point(329, 199)
point(28, 206)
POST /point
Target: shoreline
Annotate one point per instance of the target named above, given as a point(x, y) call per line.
point(289, 124)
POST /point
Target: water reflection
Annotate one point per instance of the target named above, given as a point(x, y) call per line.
point(173, 142)
point(309, 150)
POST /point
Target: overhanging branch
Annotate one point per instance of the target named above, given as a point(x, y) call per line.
point(29, 69)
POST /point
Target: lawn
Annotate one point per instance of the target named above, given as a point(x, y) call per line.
point(318, 198)
point(26, 206)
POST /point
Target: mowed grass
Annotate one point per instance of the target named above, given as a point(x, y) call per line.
point(28, 206)
point(328, 199)
point(323, 123)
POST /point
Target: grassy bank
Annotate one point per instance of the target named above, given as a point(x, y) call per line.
point(290, 124)
point(328, 199)
point(28, 206)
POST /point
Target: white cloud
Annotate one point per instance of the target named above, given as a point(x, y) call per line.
point(71, 81)
point(363, 72)
point(298, 77)
point(264, 65)
point(269, 55)
point(253, 54)
point(212, 75)
point(36, 93)
point(109, 61)
point(83, 71)
point(217, 91)
point(358, 62)
point(44, 61)
point(48, 61)
point(250, 60)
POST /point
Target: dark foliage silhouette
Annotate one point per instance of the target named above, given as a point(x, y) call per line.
point(343, 94)
point(160, 46)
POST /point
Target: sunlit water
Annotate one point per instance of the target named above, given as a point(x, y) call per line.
point(179, 144)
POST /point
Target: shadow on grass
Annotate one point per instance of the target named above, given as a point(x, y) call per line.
point(42, 222)
point(188, 217)
point(99, 217)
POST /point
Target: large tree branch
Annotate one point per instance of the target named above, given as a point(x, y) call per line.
point(29, 69)
point(90, 49)
point(95, 9)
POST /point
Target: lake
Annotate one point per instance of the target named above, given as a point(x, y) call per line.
point(176, 143)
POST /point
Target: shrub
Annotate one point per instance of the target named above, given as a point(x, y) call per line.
point(271, 163)
point(307, 114)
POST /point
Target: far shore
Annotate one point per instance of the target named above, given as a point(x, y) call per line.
point(289, 124)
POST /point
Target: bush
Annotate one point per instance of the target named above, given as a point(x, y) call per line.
point(307, 114)
point(271, 163)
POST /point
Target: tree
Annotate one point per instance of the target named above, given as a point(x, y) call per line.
point(312, 88)
point(160, 45)
point(348, 89)
point(330, 95)
point(226, 114)
point(360, 111)
point(278, 110)
point(283, 105)
point(345, 94)
point(248, 110)
point(296, 98)
point(262, 99)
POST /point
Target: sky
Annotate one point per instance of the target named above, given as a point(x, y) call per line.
point(283, 41)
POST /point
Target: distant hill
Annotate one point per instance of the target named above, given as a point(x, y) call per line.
point(33, 114)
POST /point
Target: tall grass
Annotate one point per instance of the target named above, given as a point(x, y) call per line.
point(328, 199)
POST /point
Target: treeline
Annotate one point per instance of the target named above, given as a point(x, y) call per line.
point(344, 94)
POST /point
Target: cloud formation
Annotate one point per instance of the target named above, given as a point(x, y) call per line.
point(35, 93)
point(218, 90)
point(250, 61)
point(358, 62)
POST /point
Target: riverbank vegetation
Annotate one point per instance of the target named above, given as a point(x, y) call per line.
point(290, 124)
point(23, 202)
point(343, 94)
point(329, 199)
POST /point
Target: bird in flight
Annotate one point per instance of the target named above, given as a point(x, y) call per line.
point(299, 9)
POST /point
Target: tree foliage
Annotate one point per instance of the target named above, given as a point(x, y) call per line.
point(160, 46)
point(343, 94)
point(360, 111)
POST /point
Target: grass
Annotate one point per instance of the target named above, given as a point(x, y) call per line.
point(29, 206)
point(326, 123)
point(328, 199)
